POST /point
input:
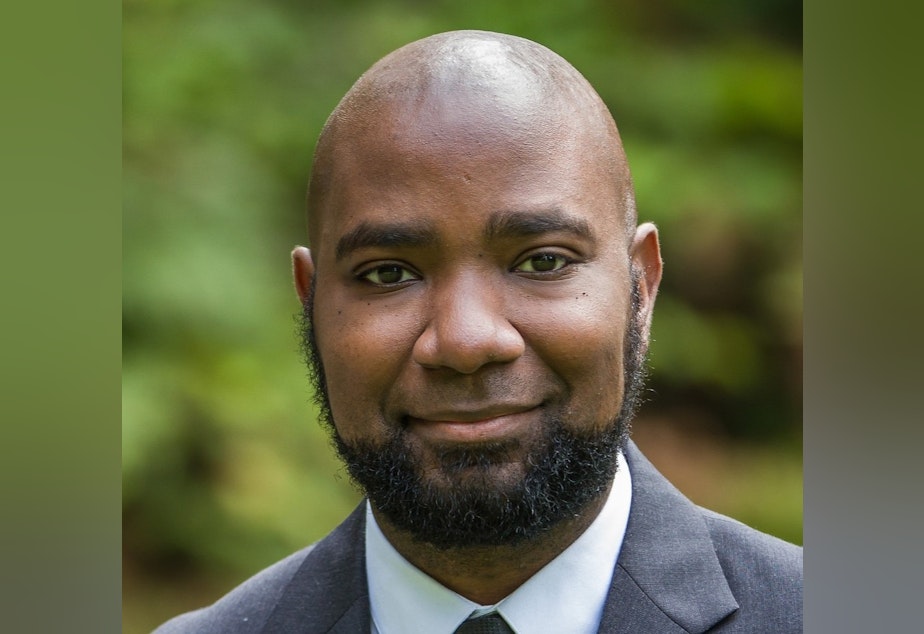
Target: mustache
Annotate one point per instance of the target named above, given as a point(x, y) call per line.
point(488, 390)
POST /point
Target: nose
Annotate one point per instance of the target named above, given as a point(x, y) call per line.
point(467, 329)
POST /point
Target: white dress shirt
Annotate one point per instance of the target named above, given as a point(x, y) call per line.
point(566, 596)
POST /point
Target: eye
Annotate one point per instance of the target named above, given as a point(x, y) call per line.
point(388, 275)
point(542, 263)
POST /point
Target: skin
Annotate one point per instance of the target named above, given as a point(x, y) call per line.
point(472, 230)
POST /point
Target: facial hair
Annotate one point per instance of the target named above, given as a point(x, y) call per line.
point(564, 473)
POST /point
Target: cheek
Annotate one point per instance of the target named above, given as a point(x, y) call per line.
point(362, 347)
point(583, 346)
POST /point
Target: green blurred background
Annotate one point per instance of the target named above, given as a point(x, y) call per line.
point(224, 468)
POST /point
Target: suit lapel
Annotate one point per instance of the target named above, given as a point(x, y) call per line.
point(667, 578)
point(328, 594)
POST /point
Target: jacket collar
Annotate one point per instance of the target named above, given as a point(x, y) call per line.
point(328, 593)
point(668, 577)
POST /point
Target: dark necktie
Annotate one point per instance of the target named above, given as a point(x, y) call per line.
point(488, 624)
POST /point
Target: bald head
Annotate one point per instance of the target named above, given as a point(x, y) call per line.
point(469, 92)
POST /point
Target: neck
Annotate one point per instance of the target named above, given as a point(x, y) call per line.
point(487, 574)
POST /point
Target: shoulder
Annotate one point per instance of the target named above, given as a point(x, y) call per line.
point(744, 551)
point(763, 572)
point(313, 590)
point(705, 570)
point(246, 608)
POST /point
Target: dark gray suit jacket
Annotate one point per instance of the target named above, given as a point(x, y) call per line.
point(681, 569)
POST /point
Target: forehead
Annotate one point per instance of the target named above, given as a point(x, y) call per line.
point(469, 154)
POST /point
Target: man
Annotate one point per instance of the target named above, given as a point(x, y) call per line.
point(477, 301)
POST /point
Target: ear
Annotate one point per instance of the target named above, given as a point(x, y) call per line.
point(646, 258)
point(303, 272)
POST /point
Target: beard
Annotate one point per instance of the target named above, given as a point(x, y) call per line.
point(564, 472)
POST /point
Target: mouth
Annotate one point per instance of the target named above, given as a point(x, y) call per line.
point(485, 425)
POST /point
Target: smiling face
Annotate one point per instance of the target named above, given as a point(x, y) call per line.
point(472, 276)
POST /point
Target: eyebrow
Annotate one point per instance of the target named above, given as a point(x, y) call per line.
point(502, 225)
point(525, 224)
point(385, 235)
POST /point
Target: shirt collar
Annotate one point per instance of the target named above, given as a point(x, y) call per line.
point(567, 595)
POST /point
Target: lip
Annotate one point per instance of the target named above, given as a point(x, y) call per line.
point(488, 424)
